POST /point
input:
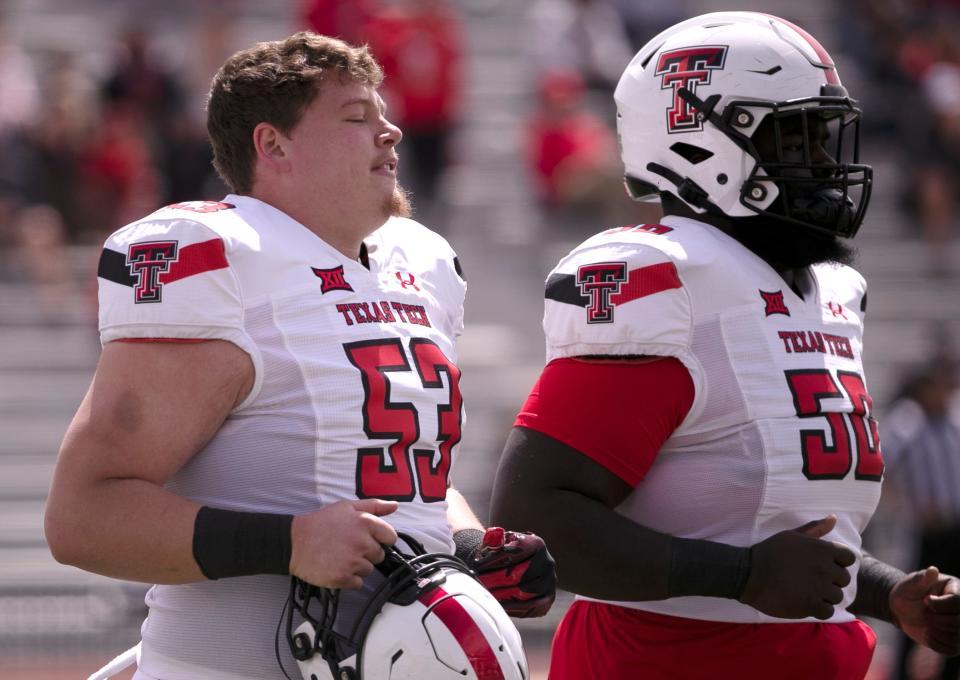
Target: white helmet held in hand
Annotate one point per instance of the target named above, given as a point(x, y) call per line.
point(430, 619)
point(692, 99)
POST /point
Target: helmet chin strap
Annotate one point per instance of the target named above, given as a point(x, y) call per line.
point(687, 189)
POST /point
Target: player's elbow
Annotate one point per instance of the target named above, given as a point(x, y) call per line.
point(526, 510)
point(64, 536)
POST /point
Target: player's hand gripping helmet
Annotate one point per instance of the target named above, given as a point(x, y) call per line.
point(692, 99)
point(430, 619)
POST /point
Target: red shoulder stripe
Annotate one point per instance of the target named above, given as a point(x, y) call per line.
point(196, 259)
point(646, 281)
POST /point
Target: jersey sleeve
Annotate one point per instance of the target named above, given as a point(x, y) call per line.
point(618, 413)
point(170, 280)
point(616, 298)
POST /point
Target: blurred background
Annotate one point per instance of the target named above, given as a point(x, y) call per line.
point(510, 151)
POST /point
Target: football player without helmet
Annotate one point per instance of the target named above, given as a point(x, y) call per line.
point(429, 619)
point(746, 67)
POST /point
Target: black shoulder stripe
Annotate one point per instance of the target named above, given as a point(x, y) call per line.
point(458, 268)
point(563, 288)
point(863, 303)
point(113, 267)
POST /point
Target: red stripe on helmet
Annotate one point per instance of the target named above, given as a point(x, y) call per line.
point(466, 632)
point(826, 60)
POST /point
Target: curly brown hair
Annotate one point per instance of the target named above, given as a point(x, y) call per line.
point(274, 82)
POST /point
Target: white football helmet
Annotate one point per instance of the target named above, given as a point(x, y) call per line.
point(690, 101)
point(430, 619)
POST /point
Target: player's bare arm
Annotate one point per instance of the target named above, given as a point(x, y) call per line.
point(459, 513)
point(150, 408)
point(562, 495)
point(924, 604)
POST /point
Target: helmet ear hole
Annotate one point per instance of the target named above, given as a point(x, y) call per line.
point(693, 154)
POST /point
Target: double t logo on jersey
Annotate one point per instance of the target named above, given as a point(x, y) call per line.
point(146, 261)
point(599, 282)
point(686, 68)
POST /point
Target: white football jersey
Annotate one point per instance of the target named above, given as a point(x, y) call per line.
point(356, 393)
point(781, 430)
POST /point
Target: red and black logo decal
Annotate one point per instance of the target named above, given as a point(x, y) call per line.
point(146, 261)
point(599, 282)
point(774, 303)
point(148, 266)
point(602, 286)
point(331, 279)
point(687, 67)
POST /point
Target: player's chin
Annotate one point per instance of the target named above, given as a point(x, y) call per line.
point(398, 203)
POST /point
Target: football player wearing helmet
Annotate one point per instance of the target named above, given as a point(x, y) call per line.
point(700, 450)
point(278, 391)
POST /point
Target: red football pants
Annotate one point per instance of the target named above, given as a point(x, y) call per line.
point(598, 641)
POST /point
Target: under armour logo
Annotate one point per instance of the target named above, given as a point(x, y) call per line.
point(331, 279)
point(409, 281)
point(774, 303)
point(598, 282)
point(686, 68)
point(837, 310)
point(146, 261)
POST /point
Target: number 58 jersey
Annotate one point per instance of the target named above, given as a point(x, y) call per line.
point(356, 390)
point(780, 431)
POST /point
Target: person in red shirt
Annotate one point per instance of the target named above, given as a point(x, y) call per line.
point(419, 45)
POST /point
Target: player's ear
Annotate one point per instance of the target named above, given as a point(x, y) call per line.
point(270, 147)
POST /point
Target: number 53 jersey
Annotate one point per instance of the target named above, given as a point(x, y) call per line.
point(356, 390)
point(780, 431)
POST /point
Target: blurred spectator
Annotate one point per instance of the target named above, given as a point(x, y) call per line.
point(186, 163)
point(141, 83)
point(572, 153)
point(583, 36)
point(18, 105)
point(937, 183)
point(419, 43)
point(910, 52)
point(921, 445)
point(343, 19)
point(643, 20)
point(146, 149)
point(567, 143)
point(55, 141)
point(42, 237)
point(18, 86)
point(118, 179)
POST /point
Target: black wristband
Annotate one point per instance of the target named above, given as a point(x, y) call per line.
point(875, 580)
point(707, 568)
point(466, 542)
point(228, 543)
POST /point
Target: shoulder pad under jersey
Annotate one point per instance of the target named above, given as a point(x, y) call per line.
point(169, 276)
point(619, 293)
point(842, 285)
point(409, 245)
